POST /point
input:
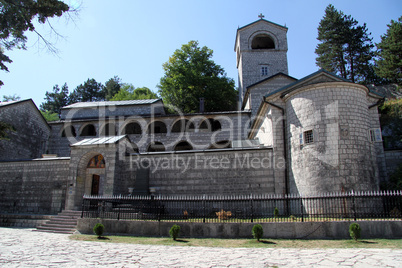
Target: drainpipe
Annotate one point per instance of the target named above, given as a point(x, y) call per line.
point(284, 142)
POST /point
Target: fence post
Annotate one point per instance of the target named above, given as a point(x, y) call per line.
point(82, 207)
point(353, 205)
point(252, 208)
point(301, 208)
point(203, 209)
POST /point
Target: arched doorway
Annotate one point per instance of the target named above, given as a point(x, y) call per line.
point(95, 174)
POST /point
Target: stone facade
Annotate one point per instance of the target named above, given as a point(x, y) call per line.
point(315, 135)
point(31, 131)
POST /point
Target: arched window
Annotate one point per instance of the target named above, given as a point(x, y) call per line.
point(133, 128)
point(88, 130)
point(68, 131)
point(109, 130)
point(183, 146)
point(221, 145)
point(157, 127)
point(183, 125)
point(156, 147)
point(210, 124)
point(262, 41)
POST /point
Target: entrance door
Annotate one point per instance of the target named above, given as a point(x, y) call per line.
point(95, 185)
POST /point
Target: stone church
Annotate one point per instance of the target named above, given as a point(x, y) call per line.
point(303, 136)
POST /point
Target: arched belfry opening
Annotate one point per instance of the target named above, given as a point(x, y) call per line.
point(262, 41)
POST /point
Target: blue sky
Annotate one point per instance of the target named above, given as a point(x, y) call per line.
point(132, 39)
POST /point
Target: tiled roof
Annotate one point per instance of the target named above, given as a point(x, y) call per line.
point(109, 103)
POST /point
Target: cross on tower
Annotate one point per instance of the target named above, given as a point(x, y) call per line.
point(261, 16)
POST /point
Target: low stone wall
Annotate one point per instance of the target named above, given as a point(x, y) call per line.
point(35, 186)
point(22, 220)
point(277, 230)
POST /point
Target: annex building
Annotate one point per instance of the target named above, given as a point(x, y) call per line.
point(304, 136)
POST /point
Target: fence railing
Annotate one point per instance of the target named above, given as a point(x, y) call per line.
point(379, 205)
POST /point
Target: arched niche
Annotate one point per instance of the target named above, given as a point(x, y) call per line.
point(88, 130)
point(157, 127)
point(133, 128)
point(262, 41)
point(183, 146)
point(156, 147)
point(69, 131)
point(210, 125)
point(183, 125)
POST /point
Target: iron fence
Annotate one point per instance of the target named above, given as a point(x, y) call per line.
point(379, 205)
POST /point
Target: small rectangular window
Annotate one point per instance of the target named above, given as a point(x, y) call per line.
point(264, 70)
point(375, 135)
point(308, 136)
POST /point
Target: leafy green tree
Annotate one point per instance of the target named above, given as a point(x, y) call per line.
point(16, 17)
point(55, 100)
point(112, 86)
point(89, 91)
point(345, 47)
point(49, 116)
point(129, 92)
point(14, 97)
point(190, 74)
point(389, 63)
point(391, 123)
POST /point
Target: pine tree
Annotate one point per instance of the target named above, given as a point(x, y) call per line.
point(346, 47)
point(389, 64)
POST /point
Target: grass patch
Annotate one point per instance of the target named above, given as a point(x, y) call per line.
point(247, 243)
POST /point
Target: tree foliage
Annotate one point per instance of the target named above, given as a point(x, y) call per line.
point(89, 91)
point(55, 100)
point(112, 87)
point(17, 16)
point(389, 63)
point(50, 116)
point(190, 74)
point(129, 92)
point(14, 97)
point(391, 123)
point(5, 129)
point(345, 47)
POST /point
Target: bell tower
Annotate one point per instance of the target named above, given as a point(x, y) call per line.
point(261, 50)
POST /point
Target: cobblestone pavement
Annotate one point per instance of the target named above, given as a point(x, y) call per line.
point(24, 248)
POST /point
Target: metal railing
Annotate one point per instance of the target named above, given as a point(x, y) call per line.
point(374, 205)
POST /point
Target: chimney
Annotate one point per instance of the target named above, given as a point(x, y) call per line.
point(201, 105)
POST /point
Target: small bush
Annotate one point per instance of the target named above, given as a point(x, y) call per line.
point(257, 231)
point(276, 212)
point(354, 231)
point(174, 231)
point(98, 229)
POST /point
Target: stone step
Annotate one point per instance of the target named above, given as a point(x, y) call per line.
point(55, 231)
point(64, 222)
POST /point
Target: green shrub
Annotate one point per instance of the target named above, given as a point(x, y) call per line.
point(354, 231)
point(276, 212)
point(98, 229)
point(257, 231)
point(174, 231)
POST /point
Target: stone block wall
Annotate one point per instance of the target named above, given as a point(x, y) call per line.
point(214, 172)
point(341, 157)
point(31, 131)
point(37, 186)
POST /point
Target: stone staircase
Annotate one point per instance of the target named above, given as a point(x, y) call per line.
point(65, 222)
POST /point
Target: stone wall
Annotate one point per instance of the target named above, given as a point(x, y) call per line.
point(226, 171)
point(31, 131)
point(341, 156)
point(274, 230)
point(37, 186)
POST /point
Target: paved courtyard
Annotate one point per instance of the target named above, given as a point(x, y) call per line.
point(24, 248)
